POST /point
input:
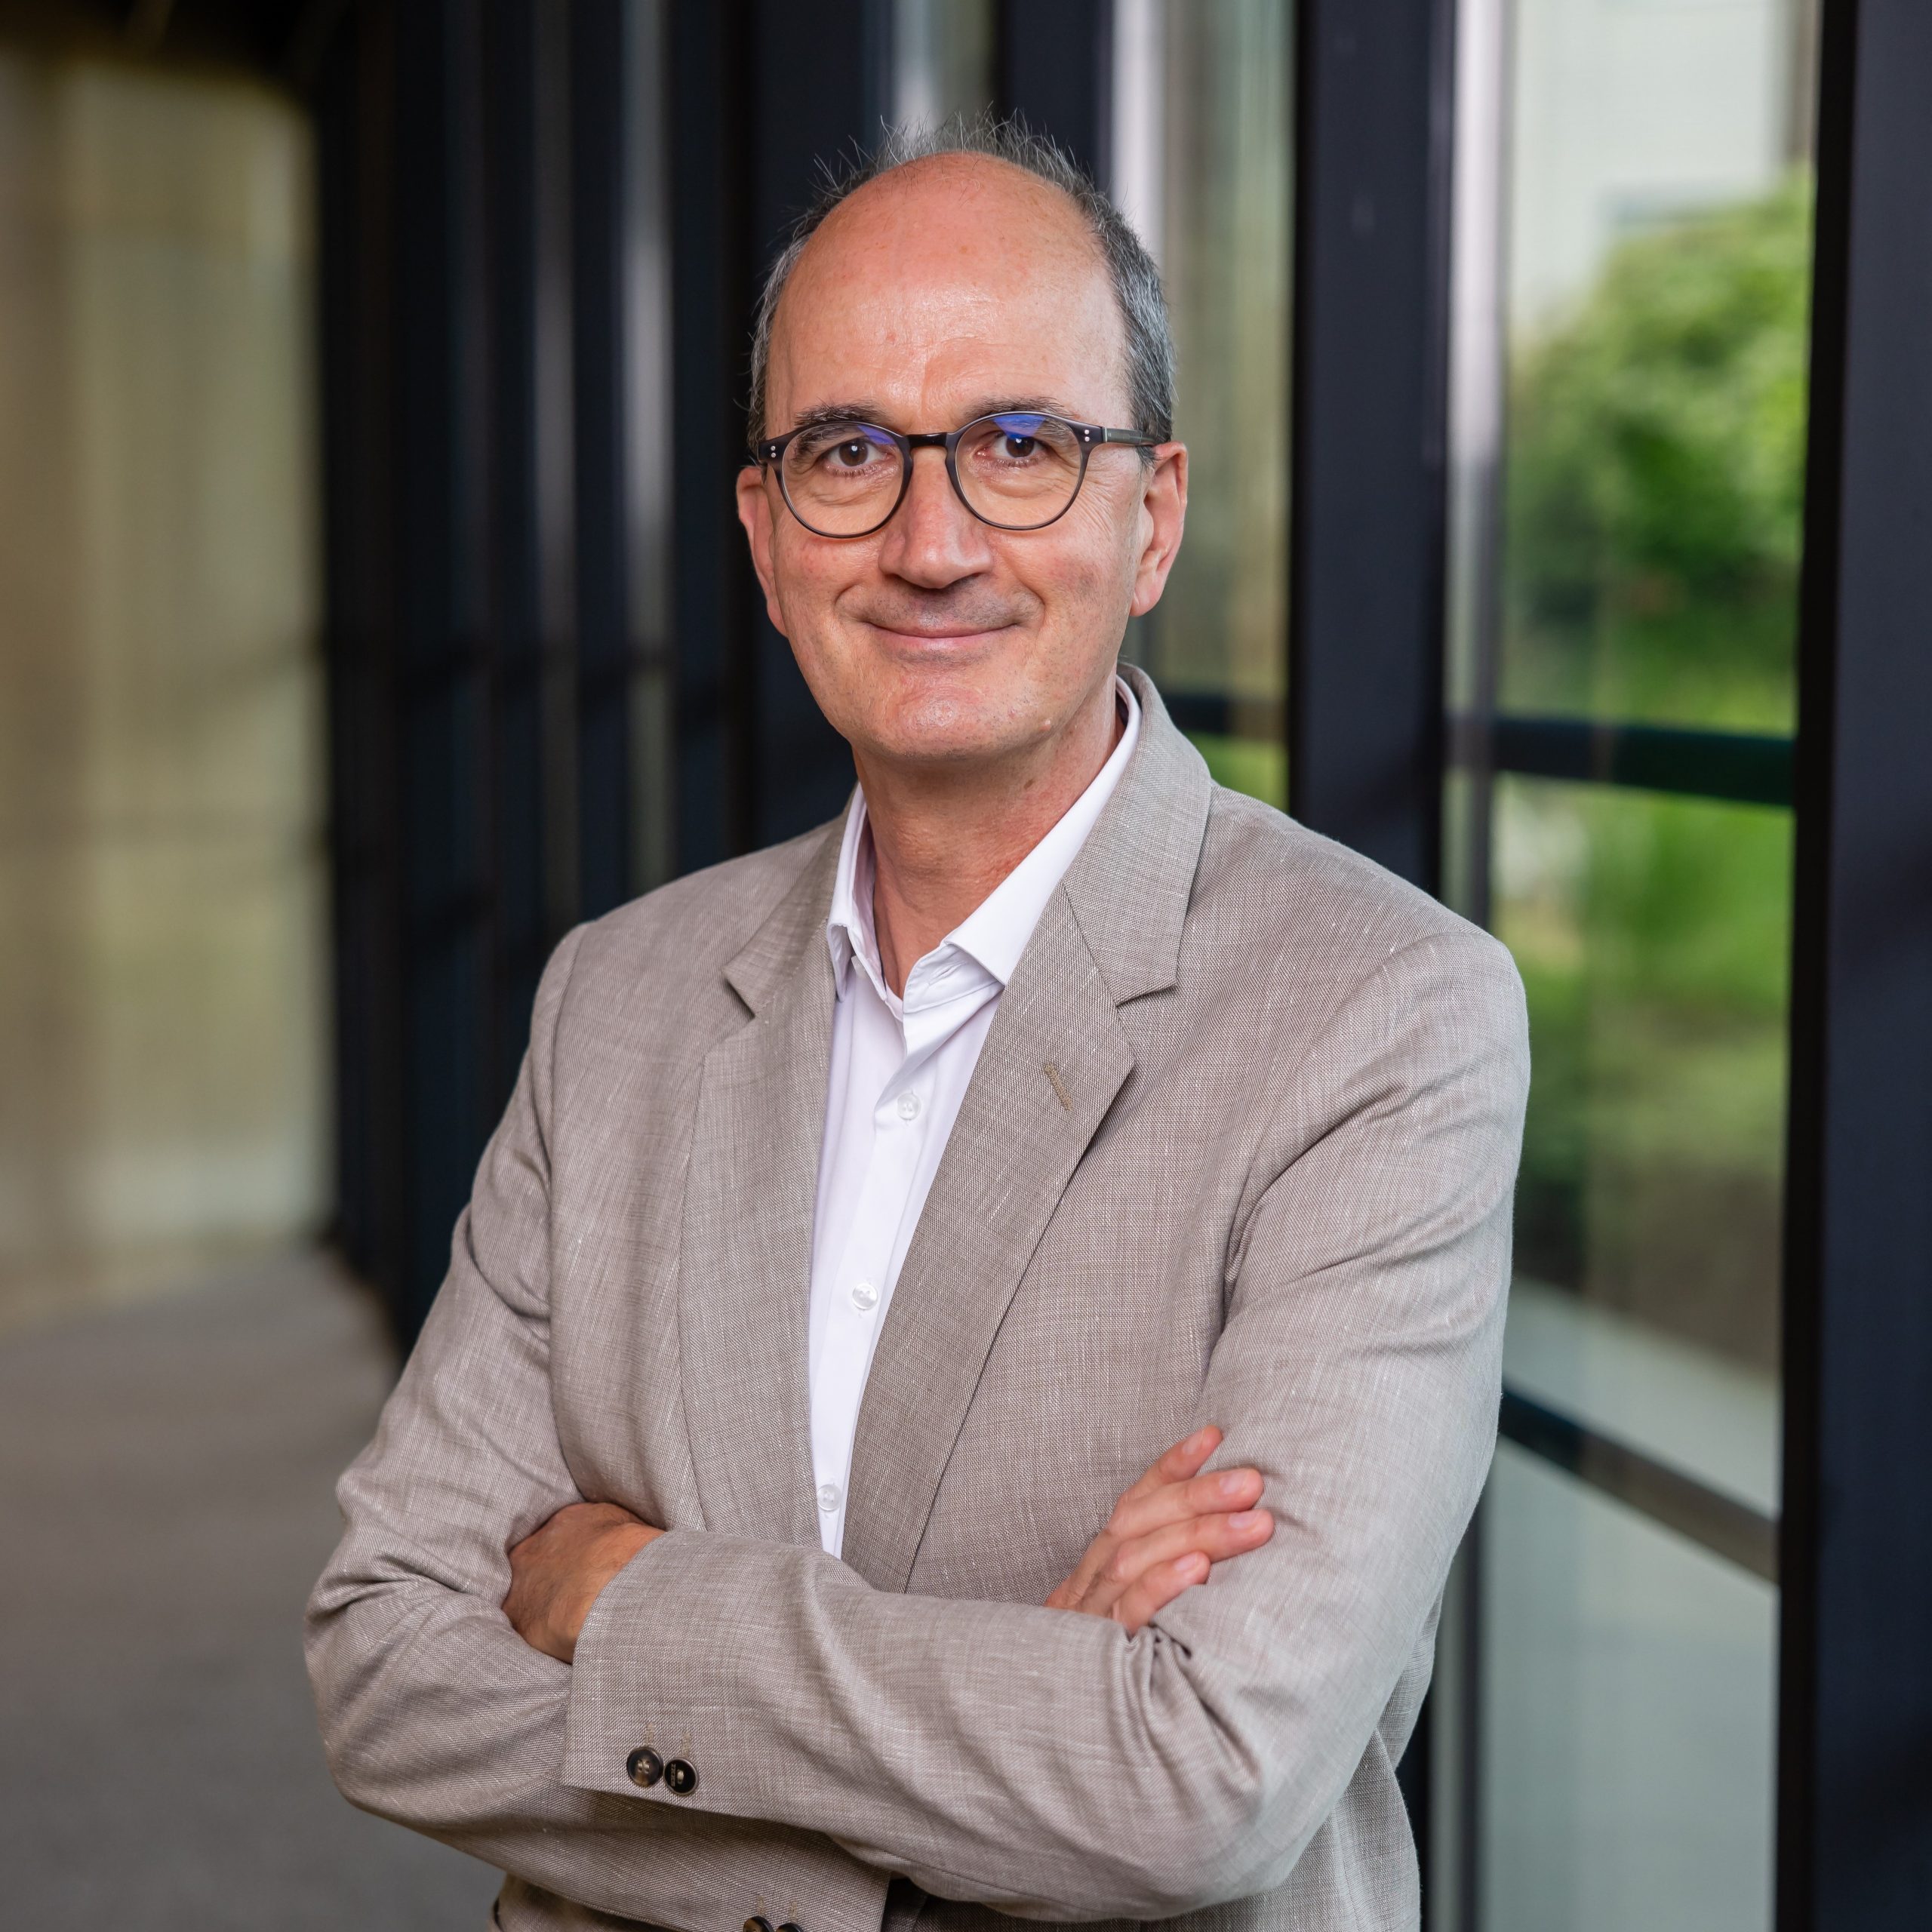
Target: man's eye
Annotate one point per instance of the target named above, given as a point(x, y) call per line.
point(855, 453)
point(1019, 448)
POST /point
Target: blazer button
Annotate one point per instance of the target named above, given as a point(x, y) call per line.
point(757, 1922)
point(680, 1777)
point(644, 1767)
point(789, 1926)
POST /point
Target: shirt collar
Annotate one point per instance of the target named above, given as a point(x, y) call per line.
point(995, 933)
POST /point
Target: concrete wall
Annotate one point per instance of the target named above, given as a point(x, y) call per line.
point(162, 871)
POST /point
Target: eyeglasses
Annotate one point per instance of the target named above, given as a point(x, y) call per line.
point(1017, 470)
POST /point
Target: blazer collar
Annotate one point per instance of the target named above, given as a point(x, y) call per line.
point(762, 972)
point(1129, 885)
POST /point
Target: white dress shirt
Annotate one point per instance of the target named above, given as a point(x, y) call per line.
point(900, 1069)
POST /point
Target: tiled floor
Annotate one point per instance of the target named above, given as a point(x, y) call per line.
point(165, 1480)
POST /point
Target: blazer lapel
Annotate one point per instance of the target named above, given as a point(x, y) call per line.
point(1018, 1135)
point(745, 1275)
point(1056, 1057)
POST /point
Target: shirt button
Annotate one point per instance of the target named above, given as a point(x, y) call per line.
point(828, 1496)
point(909, 1107)
point(865, 1297)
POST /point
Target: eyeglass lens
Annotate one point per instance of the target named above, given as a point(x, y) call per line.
point(1020, 471)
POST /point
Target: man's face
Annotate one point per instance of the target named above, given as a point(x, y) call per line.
point(944, 291)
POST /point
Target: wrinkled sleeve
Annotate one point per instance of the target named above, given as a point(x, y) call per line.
point(434, 1712)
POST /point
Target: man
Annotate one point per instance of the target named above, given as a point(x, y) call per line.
point(759, 1535)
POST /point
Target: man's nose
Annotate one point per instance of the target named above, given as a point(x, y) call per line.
point(934, 539)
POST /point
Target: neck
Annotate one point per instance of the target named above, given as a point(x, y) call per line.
point(944, 838)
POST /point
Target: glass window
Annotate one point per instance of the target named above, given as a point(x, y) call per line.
point(1659, 257)
point(1202, 165)
point(1627, 1745)
point(1653, 936)
point(1633, 238)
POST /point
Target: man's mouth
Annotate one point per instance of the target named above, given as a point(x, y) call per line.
point(937, 633)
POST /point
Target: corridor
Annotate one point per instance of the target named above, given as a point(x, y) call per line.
point(167, 1472)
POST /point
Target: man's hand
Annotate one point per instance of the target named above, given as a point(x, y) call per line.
point(1164, 1534)
point(557, 1571)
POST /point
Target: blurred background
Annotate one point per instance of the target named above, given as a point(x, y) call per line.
point(372, 609)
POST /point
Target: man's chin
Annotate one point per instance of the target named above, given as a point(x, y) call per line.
point(947, 732)
point(944, 749)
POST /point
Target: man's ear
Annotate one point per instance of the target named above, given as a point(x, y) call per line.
point(1163, 516)
point(754, 512)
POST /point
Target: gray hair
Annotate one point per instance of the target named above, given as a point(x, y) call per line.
point(1136, 280)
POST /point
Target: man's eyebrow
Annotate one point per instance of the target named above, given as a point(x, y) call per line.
point(820, 415)
point(824, 415)
point(1023, 405)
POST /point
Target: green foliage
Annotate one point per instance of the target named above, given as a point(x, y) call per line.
point(1652, 534)
point(1655, 478)
point(1247, 764)
point(1653, 937)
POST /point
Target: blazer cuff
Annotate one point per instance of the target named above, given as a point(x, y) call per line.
point(630, 1693)
point(624, 1648)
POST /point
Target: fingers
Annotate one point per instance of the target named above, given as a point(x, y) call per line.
point(1177, 1464)
point(601, 1514)
point(1155, 1588)
point(1173, 1511)
point(1214, 1538)
point(1221, 1490)
point(1170, 1491)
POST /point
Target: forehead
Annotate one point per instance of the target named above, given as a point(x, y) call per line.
point(950, 285)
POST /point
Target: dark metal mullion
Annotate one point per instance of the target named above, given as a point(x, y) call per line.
point(1052, 67)
point(442, 689)
point(1374, 98)
point(1738, 767)
point(512, 71)
point(1855, 1678)
point(1368, 507)
point(1742, 767)
point(713, 589)
point(1216, 714)
point(553, 307)
point(600, 113)
point(1462, 1906)
point(354, 87)
point(1723, 1524)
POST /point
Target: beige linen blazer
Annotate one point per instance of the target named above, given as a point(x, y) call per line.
point(1239, 1149)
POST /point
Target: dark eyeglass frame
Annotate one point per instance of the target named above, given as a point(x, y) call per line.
point(1090, 435)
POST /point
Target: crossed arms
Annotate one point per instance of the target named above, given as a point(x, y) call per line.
point(1049, 1764)
point(1165, 1533)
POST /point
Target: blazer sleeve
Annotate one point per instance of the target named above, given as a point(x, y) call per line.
point(434, 1712)
point(1048, 1764)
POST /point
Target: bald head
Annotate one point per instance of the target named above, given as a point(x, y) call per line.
point(969, 178)
point(942, 268)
